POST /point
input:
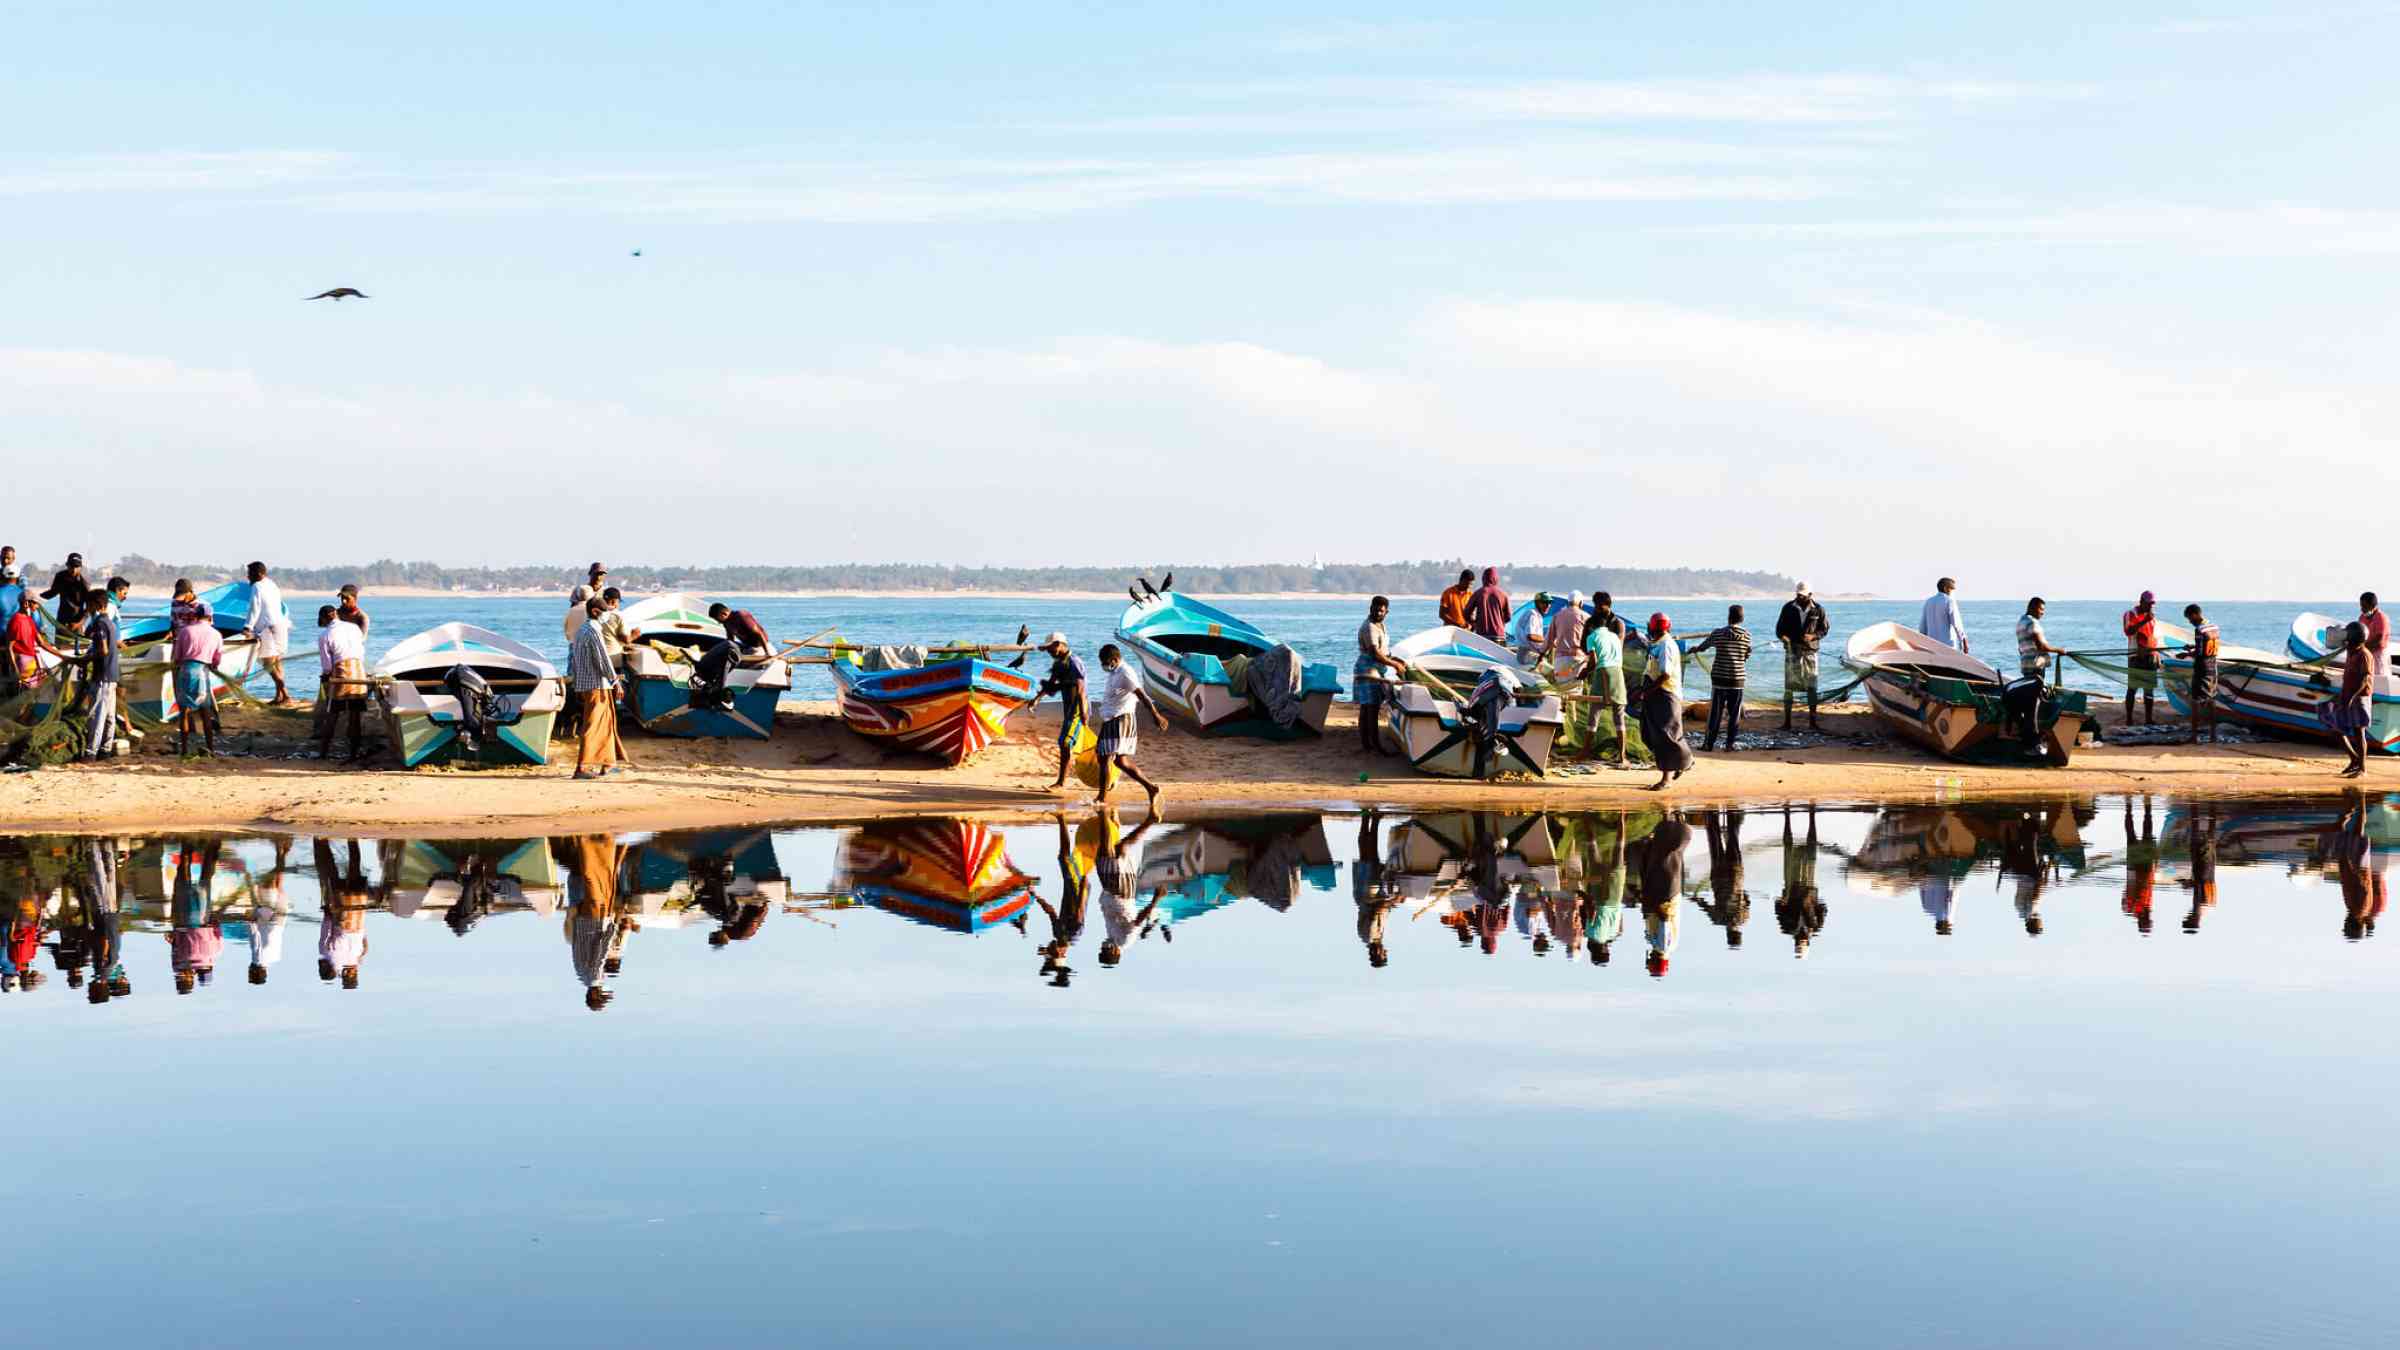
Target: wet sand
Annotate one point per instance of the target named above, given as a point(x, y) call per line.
point(816, 769)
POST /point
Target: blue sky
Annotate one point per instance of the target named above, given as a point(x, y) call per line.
point(2043, 299)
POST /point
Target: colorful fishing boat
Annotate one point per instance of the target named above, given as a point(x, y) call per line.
point(1220, 674)
point(2282, 695)
point(146, 685)
point(667, 635)
point(429, 711)
point(946, 702)
point(950, 874)
point(1958, 707)
point(1507, 725)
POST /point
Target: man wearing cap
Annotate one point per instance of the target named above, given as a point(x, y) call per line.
point(1942, 622)
point(1067, 680)
point(1800, 628)
point(2141, 658)
point(72, 593)
point(1528, 632)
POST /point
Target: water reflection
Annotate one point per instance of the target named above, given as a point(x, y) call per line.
point(1089, 894)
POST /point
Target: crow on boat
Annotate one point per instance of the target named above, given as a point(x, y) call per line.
point(1168, 583)
point(1147, 588)
point(341, 293)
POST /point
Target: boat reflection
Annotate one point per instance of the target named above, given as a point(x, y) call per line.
point(950, 874)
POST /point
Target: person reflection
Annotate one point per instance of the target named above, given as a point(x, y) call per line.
point(2362, 890)
point(1731, 907)
point(1074, 888)
point(268, 914)
point(196, 937)
point(712, 887)
point(2141, 867)
point(96, 890)
point(1800, 912)
point(595, 868)
point(1662, 890)
point(1604, 915)
point(345, 895)
point(1119, 877)
point(2202, 882)
point(1373, 894)
point(1489, 917)
point(21, 945)
point(2021, 860)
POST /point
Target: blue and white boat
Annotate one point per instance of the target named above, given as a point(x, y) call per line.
point(1200, 664)
point(666, 636)
point(428, 718)
point(2281, 694)
point(1429, 728)
point(147, 677)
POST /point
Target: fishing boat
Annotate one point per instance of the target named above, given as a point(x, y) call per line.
point(947, 702)
point(1956, 706)
point(666, 635)
point(1221, 674)
point(2281, 694)
point(949, 874)
point(429, 710)
point(1505, 726)
point(146, 685)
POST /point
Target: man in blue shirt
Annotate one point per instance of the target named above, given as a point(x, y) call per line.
point(100, 655)
point(1067, 680)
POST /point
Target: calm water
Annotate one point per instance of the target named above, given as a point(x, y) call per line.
point(1323, 630)
point(2071, 1074)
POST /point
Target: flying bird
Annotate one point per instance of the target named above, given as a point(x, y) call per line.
point(341, 293)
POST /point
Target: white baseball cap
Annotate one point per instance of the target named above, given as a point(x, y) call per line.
point(1055, 640)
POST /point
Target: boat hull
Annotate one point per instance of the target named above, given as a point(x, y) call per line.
point(1182, 646)
point(146, 689)
point(1216, 707)
point(422, 736)
point(1432, 735)
point(2285, 702)
point(658, 699)
point(1958, 730)
point(946, 709)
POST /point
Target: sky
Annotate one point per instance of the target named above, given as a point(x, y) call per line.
point(2043, 299)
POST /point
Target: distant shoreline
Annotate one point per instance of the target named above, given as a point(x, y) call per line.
point(559, 594)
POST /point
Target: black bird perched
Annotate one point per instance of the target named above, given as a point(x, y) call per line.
point(1147, 588)
point(1137, 595)
point(1169, 583)
point(341, 293)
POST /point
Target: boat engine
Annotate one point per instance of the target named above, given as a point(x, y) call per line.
point(2021, 709)
point(481, 712)
point(707, 692)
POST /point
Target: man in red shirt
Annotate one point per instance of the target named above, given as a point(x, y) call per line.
point(26, 643)
point(1488, 611)
point(2141, 663)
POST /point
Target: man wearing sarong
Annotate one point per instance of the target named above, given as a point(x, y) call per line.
point(341, 680)
point(197, 649)
point(2203, 652)
point(595, 681)
point(2142, 658)
point(1604, 677)
point(1367, 674)
point(270, 627)
point(1662, 705)
point(1801, 627)
point(1121, 693)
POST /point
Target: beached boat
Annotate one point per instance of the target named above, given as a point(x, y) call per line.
point(2281, 694)
point(950, 874)
point(1213, 671)
point(1956, 706)
point(945, 701)
point(666, 636)
point(424, 707)
point(1425, 723)
point(146, 685)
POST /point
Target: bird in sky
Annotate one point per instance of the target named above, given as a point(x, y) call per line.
point(340, 293)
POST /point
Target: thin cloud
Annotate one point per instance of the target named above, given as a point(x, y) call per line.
point(2278, 229)
point(167, 171)
point(1360, 35)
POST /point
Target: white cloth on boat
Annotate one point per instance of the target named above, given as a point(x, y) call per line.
point(1942, 621)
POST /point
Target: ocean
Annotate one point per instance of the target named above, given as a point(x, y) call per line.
point(1321, 629)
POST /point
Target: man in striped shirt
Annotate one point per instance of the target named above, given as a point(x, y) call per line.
point(1728, 675)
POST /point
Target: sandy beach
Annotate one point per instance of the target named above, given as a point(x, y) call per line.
point(816, 769)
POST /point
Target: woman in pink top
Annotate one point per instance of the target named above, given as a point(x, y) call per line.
point(198, 649)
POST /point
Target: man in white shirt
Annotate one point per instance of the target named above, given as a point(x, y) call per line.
point(342, 688)
point(271, 625)
point(1121, 692)
point(1942, 621)
point(1526, 634)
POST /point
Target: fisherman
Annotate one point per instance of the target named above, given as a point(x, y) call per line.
point(1603, 670)
point(12, 595)
point(579, 597)
point(1662, 706)
point(2378, 628)
point(595, 683)
point(1800, 912)
point(1366, 673)
point(1067, 680)
point(2348, 713)
point(743, 628)
point(341, 680)
point(347, 605)
point(1563, 646)
point(1453, 607)
point(342, 932)
point(612, 625)
point(1662, 891)
point(2142, 658)
point(2033, 645)
point(1488, 612)
point(26, 643)
point(73, 594)
point(100, 640)
point(271, 625)
point(1801, 627)
point(1604, 920)
point(1728, 677)
point(1942, 621)
point(197, 650)
point(2206, 643)
point(1121, 692)
point(1527, 633)
point(1729, 906)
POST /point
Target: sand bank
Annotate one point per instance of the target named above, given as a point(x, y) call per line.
point(816, 769)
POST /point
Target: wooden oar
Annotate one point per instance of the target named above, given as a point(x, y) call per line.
point(1435, 681)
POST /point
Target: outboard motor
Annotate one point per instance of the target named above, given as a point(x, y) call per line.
point(1494, 694)
point(2021, 709)
point(480, 711)
point(708, 692)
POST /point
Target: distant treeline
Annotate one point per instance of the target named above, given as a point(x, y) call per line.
point(1400, 578)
